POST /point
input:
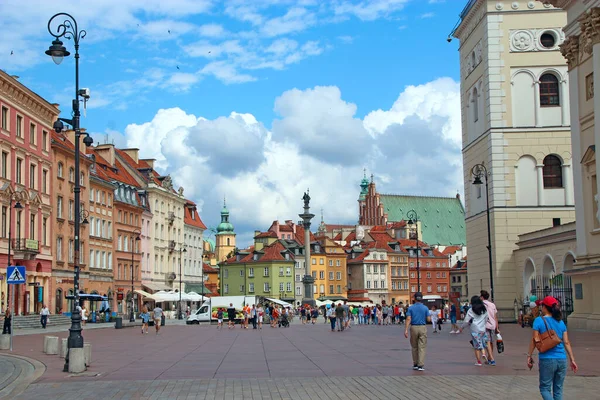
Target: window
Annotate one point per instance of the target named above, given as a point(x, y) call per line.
point(58, 249)
point(393, 285)
point(59, 207)
point(331, 263)
point(412, 275)
point(242, 288)
point(32, 226)
point(549, 96)
point(413, 289)
point(368, 269)
point(4, 165)
point(337, 263)
point(321, 274)
point(428, 275)
point(241, 272)
point(251, 287)
point(331, 276)
point(226, 288)
point(19, 126)
point(298, 291)
point(59, 171)
point(383, 284)
point(443, 274)
point(19, 176)
point(44, 140)
point(368, 284)
point(19, 215)
point(439, 288)
point(71, 210)
point(547, 40)
point(71, 174)
point(338, 276)
point(32, 176)
point(281, 286)
point(266, 287)
point(298, 279)
point(288, 271)
point(120, 243)
point(280, 271)
point(321, 261)
point(475, 102)
point(375, 284)
point(266, 271)
point(428, 288)
point(91, 258)
point(44, 181)
point(32, 138)
point(437, 275)
point(445, 288)
point(71, 251)
point(4, 118)
point(288, 287)
point(314, 261)
point(314, 274)
point(552, 172)
point(44, 231)
point(375, 269)
point(251, 272)
point(82, 180)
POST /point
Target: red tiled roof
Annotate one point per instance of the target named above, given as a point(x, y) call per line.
point(285, 228)
point(300, 235)
point(139, 165)
point(191, 216)
point(338, 236)
point(267, 234)
point(359, 258)
point(451, 249)
point(412, 243)
point(118, 172)
point(379, 228)
point(207, 268)
point(273, 252)
point(351, 237)
point(336, 227)
point(396, 225)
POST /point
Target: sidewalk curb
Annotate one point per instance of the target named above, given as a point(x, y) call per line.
point(20, 384)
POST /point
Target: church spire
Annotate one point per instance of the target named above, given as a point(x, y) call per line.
point(364, 186)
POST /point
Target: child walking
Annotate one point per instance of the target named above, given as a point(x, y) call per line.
point(145, 318)
point(433, 314)
point(476, 317)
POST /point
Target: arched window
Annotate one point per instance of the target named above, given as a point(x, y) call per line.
point(82, 179)
point(552, 172)
point(60, 170)
point(549, 96)
point(71, 174)
point(475, 105)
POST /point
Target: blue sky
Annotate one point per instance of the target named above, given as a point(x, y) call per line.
point(351, 62)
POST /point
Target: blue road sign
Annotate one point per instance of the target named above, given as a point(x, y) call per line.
point(15, 275)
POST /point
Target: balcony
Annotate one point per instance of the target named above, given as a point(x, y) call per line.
point(25, 249)
point(171, 246)
point(171, 217)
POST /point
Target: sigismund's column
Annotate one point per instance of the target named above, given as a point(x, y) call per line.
point(308, 280)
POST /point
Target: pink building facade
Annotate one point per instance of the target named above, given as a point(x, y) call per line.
point(25, 178)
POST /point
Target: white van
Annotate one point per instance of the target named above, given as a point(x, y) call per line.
point(208, 310)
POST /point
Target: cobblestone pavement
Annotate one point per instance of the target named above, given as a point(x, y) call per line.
point(359, 388)
point(303, 361)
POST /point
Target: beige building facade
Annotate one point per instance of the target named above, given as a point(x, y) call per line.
point(582, 52)
point(516, 122)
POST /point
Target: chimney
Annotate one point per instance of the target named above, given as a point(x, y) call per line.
point(106, 151)
point(149, 161)
point(256, 233)
point(133, 153)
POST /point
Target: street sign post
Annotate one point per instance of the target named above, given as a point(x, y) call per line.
point(15, 275)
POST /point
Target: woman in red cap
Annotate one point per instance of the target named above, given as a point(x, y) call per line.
point(553, 362)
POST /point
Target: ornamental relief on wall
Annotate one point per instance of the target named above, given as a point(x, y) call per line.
point(529, 40)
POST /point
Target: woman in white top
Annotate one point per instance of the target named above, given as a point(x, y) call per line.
point(477, 317)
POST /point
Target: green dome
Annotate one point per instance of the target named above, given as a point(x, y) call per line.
point(225, 226)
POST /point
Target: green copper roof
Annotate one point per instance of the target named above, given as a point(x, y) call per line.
point(442, 218)
point(225, 227)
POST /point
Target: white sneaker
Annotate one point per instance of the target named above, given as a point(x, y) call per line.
point(452, 332)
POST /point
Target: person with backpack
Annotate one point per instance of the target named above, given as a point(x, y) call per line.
point(553, 352)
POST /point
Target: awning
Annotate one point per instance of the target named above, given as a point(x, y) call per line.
point(280, 302)
point(156, 286)
point(198, 288)
point(143, 294)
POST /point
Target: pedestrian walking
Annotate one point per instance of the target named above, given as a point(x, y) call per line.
point(315, 315)
point(331, 316)
point(477, 317)
point(44, 313)
point(491, 326)
point(303, 315)
point(339, 315)
point(433, 315)
point(145, 316)
point(158, 313)
point(253, 315)
point(346, 308)
point(7, 325)
point(220, 313)
point(454, 328)
point(261, 313)
point(417, 317)
point(230, 316)
point(553, 361)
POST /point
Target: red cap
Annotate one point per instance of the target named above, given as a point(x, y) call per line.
point(549, 301)
point(538, 302)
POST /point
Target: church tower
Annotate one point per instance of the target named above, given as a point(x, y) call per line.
point(516, 123)
point(225, 237)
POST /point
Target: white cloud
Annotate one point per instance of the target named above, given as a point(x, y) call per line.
point(295, 20)
point(182, 81)
point(368, 10)
point(212, 30)
point(427, 15)
point(226, 73)
point(317, 142)
point(346, 39)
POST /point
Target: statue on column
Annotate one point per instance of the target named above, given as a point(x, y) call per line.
point(306, 199)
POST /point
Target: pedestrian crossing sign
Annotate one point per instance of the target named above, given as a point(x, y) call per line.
point(15, 275)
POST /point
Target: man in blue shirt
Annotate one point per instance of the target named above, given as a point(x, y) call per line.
point(417, 318)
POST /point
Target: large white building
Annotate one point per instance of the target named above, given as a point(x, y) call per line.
point(516, 122)
point(193, 229)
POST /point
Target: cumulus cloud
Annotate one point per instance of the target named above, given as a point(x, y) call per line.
point(316, 142)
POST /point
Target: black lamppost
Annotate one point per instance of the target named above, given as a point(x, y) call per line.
point(182, 249)
point(413, 219)
point(480, 171)
point(134, 239)
point(69, 30)
point(14, 197)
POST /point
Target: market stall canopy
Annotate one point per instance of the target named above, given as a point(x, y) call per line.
point(281, 302)
point(144, 294)
point(156, 286)
point(192, 296)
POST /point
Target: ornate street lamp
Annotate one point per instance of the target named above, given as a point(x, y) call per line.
point(413, 219)
point(479, 171)
point(134, 239)
point(69, 30)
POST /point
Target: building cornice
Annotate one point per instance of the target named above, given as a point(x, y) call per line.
point(470, 20)
point(558, 3)
point(22, 96)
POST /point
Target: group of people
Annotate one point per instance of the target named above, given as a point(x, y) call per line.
point(255, 314)
point(379, 314)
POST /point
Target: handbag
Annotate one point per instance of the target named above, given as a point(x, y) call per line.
point(547, 340)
